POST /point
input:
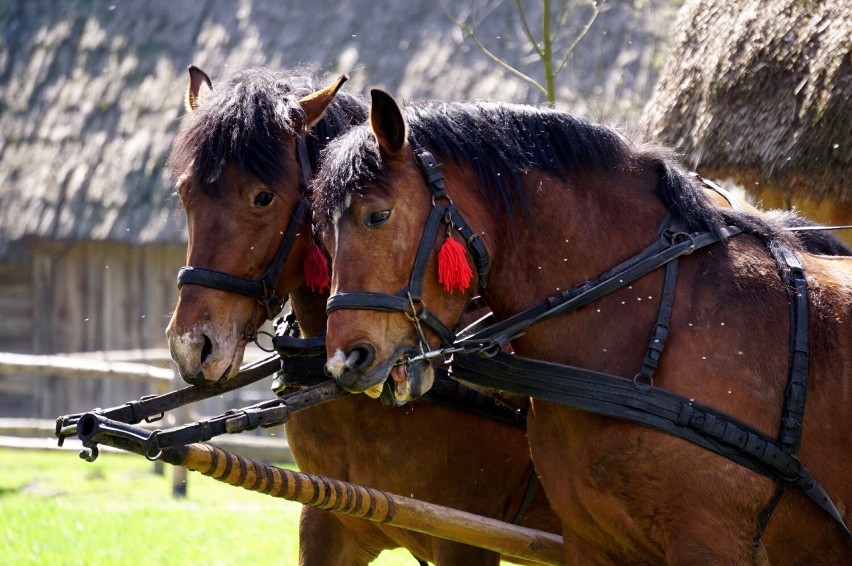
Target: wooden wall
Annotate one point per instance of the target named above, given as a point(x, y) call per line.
point(16, 328)
point(76, 297)
point(90, 296)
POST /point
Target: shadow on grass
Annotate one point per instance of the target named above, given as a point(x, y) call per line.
point(8, 491)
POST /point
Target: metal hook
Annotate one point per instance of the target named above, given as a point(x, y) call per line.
point(90, 453)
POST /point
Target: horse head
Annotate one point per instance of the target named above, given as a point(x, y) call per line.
point(395, 292)
point(248, 219)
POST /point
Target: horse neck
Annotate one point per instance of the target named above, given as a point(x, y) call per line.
point(309, 308)
point(579, 227)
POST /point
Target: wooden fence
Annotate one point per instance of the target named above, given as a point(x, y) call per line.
point(133, 366)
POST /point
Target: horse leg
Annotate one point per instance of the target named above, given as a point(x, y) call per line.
point(325, 541)
point(449, 553)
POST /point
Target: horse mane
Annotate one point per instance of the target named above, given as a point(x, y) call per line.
point(502, 142)
point(247, 118)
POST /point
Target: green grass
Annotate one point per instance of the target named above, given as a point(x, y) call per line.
point(56, 509)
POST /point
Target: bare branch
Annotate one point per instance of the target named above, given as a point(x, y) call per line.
point(526, 28)
point(595, 11)
point(472, 35)
point(563, 18)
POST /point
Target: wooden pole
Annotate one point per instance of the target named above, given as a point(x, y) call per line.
point(181, 416)
point(329, 494)
point(370, 504)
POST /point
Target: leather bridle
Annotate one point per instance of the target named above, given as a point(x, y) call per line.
point(409, 299)
point(261, 289)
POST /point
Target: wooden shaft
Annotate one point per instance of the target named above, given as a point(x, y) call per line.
point(371, 504)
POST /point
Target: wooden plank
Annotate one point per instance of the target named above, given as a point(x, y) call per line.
point(27, 427)
point(15, 326)
point(63, 366)
point(156, 356)
point(15, 385)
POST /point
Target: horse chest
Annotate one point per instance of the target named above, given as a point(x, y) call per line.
point(605, 478)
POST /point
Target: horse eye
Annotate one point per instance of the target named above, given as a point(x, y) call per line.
point(263, 198)
point(378, 218)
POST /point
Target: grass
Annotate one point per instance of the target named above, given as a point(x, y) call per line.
point(57, 510)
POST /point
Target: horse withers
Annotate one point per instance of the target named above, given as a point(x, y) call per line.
point(542, 205)
point(240, 182)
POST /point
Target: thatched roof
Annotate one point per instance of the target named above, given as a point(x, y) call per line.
point(91, 91)
point(761, 91)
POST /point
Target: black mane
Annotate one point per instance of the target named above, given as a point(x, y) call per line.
point(502, 142)
point(246, 118)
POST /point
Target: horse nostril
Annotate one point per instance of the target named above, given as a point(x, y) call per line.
point(206, 349)
point(360, 356)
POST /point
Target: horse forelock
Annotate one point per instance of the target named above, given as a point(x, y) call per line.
point(247, 120)
point(349, 162)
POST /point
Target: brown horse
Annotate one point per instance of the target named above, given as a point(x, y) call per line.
point(558, 201)
point(239, 184)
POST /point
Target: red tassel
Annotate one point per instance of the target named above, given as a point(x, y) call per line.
point(316, 270)
point(453, 269)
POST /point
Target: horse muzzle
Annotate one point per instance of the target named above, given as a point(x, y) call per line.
point(201, 358)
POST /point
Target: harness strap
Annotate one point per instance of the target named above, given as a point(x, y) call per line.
point(431, 171)
point(475, 244)
point(424, 251)
point(614, 396)
point(213, 279)
point(793, 412)
point(363, 300)
point(532, 486)
point(663, 250)
point(661, 328)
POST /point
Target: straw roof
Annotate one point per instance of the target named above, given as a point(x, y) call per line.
point(761, 91)
point(91, 91)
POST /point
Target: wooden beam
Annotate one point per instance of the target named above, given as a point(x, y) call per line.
point(64, 366)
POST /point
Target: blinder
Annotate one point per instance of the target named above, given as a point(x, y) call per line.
point(261, 289)
point(406, 300)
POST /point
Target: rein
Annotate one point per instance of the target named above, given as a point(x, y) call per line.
point(480, 358)
point(152, 408)
point(261, 289)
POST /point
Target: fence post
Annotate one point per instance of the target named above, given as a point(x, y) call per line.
point(162, 388)
point(181, 416)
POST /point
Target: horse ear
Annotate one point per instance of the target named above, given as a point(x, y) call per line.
point(387, 122)
point(199, 86)
point(316, 103)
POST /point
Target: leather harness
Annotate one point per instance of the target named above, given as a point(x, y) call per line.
point(479, 358)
